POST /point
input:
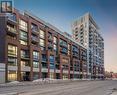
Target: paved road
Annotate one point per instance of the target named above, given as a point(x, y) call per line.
point(71, 88)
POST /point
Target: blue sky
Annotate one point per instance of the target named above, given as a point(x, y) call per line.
point(61, 13)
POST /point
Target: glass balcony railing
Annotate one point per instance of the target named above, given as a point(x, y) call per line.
point(75, 55)
point(23, 38)
point(25, 56)
point(75, 50)
point(44, 59)
point(63, 44)
point(63, 50)
point(34, 30)
point(50, 46)
point(12, 18)
point(35, 39)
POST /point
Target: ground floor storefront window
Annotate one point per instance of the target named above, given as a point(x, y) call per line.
point(35, 75)
point(51, 75)
point(12, 75)
point(25, 76)
point(65, 76)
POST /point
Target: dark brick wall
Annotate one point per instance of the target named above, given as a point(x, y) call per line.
point(2, 39)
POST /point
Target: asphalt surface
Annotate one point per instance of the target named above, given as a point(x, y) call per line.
point(72, 88)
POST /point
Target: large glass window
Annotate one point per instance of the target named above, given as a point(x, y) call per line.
point(35, 64)
point(42, 43)
point(65, 76)
point(55, 48)
point(44, 57)
point(22, 25)
point(51, 62)
point(12, 51)
point(12, 75)
point(51, 59)
point(23, 37)
point(42, 34)
point(24, 54)
point(35, 55)
point(55, 40)
point(23, 42)
point(51, 75)
point(65, 61)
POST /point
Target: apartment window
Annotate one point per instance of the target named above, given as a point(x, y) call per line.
point(42, 43)
point(35, 64)
point(55, 47)
point(44, 57)
point(65, 61)
point(23, 35)
point(55, 40)
point(35, 55)
point(24, 63)
point(42, 34)
point(12, 61)
point(12, 51)
point(51, 59)
point(22, 25)
point(24, 54)
point(12, 75)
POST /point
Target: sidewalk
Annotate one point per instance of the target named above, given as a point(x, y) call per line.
point(39, 82)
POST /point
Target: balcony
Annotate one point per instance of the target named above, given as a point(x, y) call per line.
point(12, 19)
point(44, 65)
point(83, 58)
point(63, 50)
point(35, 31)
point(63, 44)
point(26, 57)
point(75, 55)
point(34, 39)
point(50, 38)
point(75, 50)
point(11, 30)
point(44, 59)
point(23, 38)
point(50, 46)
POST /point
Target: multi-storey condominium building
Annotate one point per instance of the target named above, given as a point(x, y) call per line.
point(31, 48)
point(86, 31)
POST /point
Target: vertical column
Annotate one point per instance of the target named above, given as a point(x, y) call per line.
point(30, 49)
point(18, 51)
